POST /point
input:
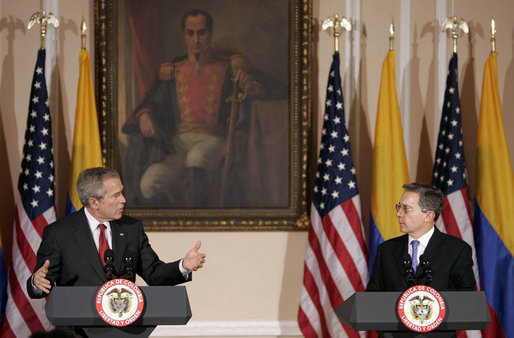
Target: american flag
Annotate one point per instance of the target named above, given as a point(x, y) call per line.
point(35, 208)
point(336, 257)
point(449, 174)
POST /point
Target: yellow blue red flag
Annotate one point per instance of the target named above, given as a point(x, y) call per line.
point(86, 151)
point(390, 169)
point(494, 211)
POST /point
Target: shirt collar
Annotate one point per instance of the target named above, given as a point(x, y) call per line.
point(93, 222)
point(423, 240)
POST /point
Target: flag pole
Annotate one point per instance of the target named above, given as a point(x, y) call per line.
point(337, 24)
point(391, 37)
point(493, 36)
point(83, 29)
point(452, 24)
point(44, 20)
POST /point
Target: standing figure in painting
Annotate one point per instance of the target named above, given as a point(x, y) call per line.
point(190, 115)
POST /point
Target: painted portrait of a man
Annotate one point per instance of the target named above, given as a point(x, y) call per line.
point(206, 105)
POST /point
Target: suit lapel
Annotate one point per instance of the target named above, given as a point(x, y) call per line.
point(118, 244)
point(85, 241)
point(433, 248)
point(400, 252)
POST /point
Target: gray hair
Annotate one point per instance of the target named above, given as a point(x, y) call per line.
point(430, 198)
point(90, 183)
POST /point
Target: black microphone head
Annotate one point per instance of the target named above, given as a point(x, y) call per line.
point(108, 256)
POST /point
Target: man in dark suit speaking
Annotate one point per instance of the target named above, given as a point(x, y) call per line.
point(423, 255)
point(72, 249)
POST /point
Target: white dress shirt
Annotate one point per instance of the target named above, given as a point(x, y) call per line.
point(423, 242)
point(95, 230)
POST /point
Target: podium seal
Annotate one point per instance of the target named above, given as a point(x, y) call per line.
point(119, 302)
point(421, 308)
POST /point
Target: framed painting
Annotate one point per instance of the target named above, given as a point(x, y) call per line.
point(205, 110)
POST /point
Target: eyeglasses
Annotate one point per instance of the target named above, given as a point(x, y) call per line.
point(405, 209)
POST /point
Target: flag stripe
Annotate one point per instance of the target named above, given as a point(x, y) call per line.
point(350, 269)
point(325, 273)
point(352, 215)
point(312, 303)
point(325, 293)
point(448, 219)
point(308, 330)
point(496, 270)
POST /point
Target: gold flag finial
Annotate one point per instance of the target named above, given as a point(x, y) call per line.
point(336, 23)
point(83, 29)
point(493, 36)
point(44, 20)
point(451, 23)
point(391, 36)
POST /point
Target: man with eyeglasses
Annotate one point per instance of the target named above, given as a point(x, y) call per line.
point(424, 255)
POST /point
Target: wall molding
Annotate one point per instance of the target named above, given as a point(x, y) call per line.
point(230, 328)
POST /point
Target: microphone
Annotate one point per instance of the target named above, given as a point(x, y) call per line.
point(130, 270)
point(109, 264)
point(427, 269)
point(408, 271)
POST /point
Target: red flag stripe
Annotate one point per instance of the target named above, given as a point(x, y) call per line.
point(317, 317)
point(323, 304)
point(26, 252)
point(330, 258)
point(448, 218)
point(6, 329)
point(21, 272)
point(343, 255)
point(307, 329)
point(457, 217)
point(32, 235)
point(351, 209)
point(328, 298)
point(22, 304)
point(334, 295)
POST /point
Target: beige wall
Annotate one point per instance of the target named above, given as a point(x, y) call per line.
point(257, 275)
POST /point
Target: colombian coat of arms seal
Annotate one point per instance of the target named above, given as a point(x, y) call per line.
point(421, 308)
point(119, 302)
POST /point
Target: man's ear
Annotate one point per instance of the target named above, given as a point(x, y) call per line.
point(93, 202)
point(430, 216)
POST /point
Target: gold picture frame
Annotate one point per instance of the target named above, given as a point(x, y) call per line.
point(267, 188)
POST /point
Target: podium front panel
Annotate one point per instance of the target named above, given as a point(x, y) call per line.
point(367, 311)
point(75, 306)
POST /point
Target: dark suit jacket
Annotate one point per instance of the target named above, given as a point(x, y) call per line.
point(449, 256)
point(74, 259)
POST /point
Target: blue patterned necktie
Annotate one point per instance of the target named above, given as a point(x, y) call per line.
point(415, 244)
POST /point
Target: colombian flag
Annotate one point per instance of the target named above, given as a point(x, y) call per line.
point(87, 151)
point(494, 208)
point(390, 169)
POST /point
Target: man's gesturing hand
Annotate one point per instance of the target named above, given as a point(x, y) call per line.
point(40, 280)
point(194, 260)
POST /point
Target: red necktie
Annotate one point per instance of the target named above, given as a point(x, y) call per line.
point(102, 243)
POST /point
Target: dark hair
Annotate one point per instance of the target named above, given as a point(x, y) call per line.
point(90, 183)
point(195, 12)
point(430, 198)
